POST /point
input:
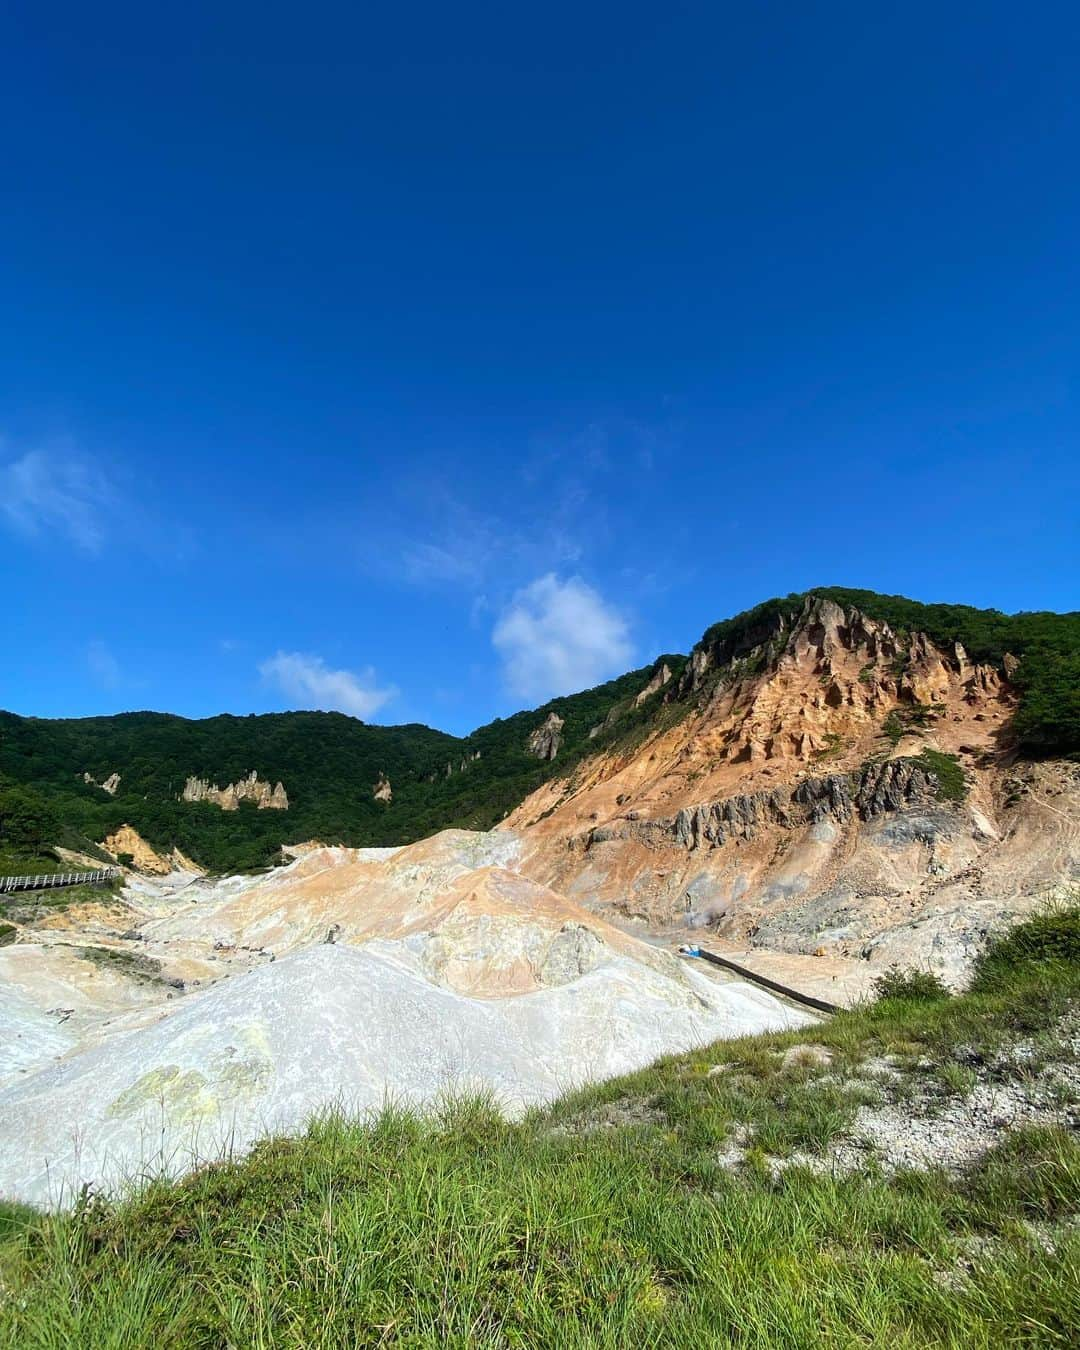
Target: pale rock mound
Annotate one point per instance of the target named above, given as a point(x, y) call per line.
point(406, 974)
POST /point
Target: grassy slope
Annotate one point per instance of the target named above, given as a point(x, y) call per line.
point(606, 1220)
point(31, 864)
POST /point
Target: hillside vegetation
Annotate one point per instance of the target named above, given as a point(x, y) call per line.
point(330, 763)
point(705, 1201)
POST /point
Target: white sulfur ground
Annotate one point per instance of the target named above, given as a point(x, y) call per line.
point(339, 1026)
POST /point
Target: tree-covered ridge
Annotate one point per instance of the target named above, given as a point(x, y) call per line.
point(328, 762)
point(1048, 645)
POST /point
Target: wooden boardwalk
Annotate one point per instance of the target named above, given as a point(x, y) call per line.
point(98, 877)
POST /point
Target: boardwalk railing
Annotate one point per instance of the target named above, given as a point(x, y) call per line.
point(39, 883)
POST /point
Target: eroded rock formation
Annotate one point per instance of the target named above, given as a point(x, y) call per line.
point(544, 741)
point(877, 789)
point(658, 681)
point(791, 793)
point(249, 789)
point(129, 842)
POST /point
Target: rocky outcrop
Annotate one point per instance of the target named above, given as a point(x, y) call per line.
point(716, 822)
point(877, 790)
point(249, 789)
point(606, 725)
point(694, 674)
point(108, 785)
point(790, 689)
point(574, 951)
point(180, 862)
point(658, 681)
point(129, 842)
point(545, 740)
point(449, 769)
point(382, 791)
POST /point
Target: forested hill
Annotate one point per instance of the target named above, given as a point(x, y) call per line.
point(330, 764)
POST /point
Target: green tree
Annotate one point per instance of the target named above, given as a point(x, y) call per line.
point(28, 822)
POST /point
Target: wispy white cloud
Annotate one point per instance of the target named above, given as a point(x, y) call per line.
point(313, 684)
point(104, 666)
point(453, 561)
point(556, 637)
point(448, 542)
point(57, 491)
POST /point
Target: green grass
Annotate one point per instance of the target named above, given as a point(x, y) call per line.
point(135, 965)
point(29, 906)
point(952, 785)
point(1049, 941)
point(920, 985)
point(907, 720)
point(605, 1220)
point(15, 863)
point(832, 749)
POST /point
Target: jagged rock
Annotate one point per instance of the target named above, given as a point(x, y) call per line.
point(737, 817)
point(1010, 664)
point(108, 785)
point(661, 677)
point(892, 786)
point(544, 741)
point(382, 791)
point(878, 789)
point(828, 796)
point(700, 661)
point(250, 789)
point(608, 722)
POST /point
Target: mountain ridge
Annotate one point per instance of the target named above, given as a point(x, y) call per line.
point(331, 765)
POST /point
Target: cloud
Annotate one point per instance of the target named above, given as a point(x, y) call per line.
point(57, 492)
point(103, 665)
point(485, 534)
point(453, 562)
point(557, 637)
point(310, 681)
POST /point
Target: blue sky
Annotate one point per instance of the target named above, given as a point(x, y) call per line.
point(428, 360)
